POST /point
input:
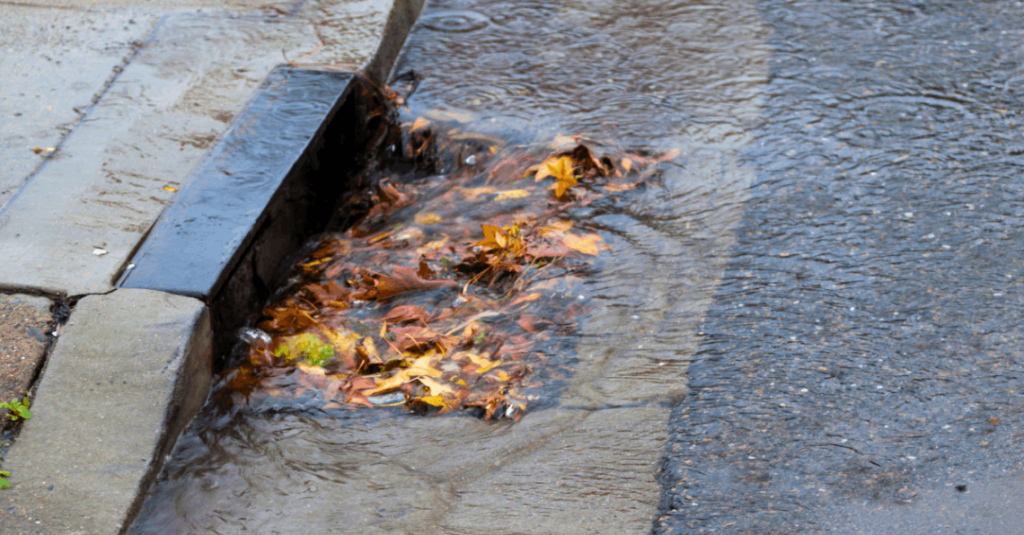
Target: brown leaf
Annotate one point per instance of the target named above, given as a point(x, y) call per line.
point(402, 280)
point(370, 359)
point(424, 270)
point(407, 313)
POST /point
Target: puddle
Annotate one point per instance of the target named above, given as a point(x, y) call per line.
point(582, 458)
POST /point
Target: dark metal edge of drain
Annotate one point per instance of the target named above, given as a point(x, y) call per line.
point(202, 234)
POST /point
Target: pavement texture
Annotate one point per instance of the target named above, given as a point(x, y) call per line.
point(25, 330)
point(107, 109)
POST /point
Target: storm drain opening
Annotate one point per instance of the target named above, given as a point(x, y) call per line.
point(451, 278)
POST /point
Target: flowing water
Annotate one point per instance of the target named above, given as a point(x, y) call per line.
point(833, 258)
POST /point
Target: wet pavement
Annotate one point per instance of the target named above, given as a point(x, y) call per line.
point(585, 460)
point(810, 325)
point(859, 369)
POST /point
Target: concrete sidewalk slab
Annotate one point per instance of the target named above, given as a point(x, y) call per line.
point(107, 184)
point(128, 373)
point(54, 64)
point(71, 229)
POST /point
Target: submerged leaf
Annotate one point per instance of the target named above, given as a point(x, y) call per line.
point(512, 194)
point(589, 244)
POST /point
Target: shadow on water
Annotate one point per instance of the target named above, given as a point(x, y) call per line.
point(860, 366)
point(657, 76)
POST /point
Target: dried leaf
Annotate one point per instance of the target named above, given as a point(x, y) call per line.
point(512, 194)
point(407, 313)
point(427, 218)
point(420, 122)
point(589, 244)
point(557, 228)
point(562, 170)
point(402, 280)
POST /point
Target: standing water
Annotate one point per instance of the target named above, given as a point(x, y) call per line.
point(670, 78)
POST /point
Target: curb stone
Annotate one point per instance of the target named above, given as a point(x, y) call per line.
point(130, 371)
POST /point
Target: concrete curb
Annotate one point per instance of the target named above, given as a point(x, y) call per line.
point(131, 369)
point(133, 365)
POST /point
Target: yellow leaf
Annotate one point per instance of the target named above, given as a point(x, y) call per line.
point(493, 237)
point(483, 363)
point(170, 188)
point(427, 218)
point(436, 388)
point(627, 164)
point(473, 193)
point(314, 370)
point(343, 342)
point(432, 246)
point(557, 228)
point(422, 366)
point(544, 169)
point(436, 401)
point(512, 194)
point(503, 377)
point(421, 122)
point(561, 168)
point(589, 244)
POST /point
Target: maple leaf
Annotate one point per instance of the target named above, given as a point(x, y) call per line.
point(562, 170)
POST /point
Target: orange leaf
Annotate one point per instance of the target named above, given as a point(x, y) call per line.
point(589, 244)
point(421, 122)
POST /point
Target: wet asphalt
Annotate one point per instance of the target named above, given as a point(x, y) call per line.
point(860, 368)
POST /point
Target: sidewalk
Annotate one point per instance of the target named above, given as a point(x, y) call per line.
point(109, 108)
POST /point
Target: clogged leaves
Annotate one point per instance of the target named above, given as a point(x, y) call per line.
point(466, 300)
